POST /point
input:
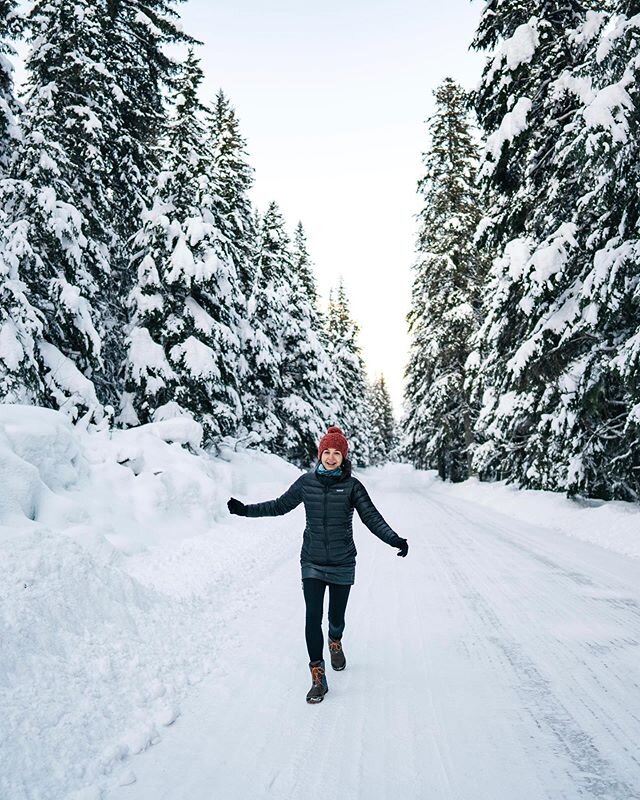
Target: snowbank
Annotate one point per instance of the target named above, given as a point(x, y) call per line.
point(120, 576)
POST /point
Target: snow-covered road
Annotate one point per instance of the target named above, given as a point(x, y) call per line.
point(499, 661)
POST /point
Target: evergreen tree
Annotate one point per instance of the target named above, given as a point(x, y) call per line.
point(269, 308)
point(184, 347)
point(9, 107)
point(446, 294)
point(384, 438)
point(233, 181)
point(605, 457)
point(352, 388)
point(138, 33)
point(138, 36)
point(526, 103)
point(304, 270)
point(232, 177)
point(307, 405)
point(19, 324)
point(21, 328)
point(529, 44)
point(579, 359)
point(55, 243)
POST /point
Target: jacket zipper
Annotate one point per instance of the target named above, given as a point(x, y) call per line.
point(326, 532)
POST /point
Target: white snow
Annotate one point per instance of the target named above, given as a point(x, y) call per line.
point(581, 86)
point(512, 125)
point(611, 525)
point(515, 259)
point(617, 26)
point(592, 24)
point(11, 351)
point(91, 121)
point(634, 414)
point(69, 386)
point(521, 47)
point(71, 298)
point(181, 262)
point(204, 322)
point(147, 356)
point(498, 661)
point(552, 255)
point(607, 110)
point(197, 230)
point(199, 358)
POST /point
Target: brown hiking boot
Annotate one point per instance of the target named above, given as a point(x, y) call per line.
point(319, 685)
point(338, 661)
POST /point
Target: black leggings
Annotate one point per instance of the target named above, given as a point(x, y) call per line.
point(314, 599)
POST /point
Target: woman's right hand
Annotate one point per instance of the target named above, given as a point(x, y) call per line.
point(236, 507)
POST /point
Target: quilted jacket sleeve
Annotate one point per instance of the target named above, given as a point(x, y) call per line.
point(371, 517)
point(281, 505)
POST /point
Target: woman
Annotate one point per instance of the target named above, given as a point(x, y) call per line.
point(328, 558)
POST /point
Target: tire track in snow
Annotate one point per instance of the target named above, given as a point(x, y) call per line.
point(592, 771)
point(515, 537)
point(470, 735)
point(439, 737)
point(591, 591)
point(361, 623)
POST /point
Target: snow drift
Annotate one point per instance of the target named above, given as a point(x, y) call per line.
point(118, 581)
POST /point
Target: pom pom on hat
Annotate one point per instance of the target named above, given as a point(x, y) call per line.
point(334, 438)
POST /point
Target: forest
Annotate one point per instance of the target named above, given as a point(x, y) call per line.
point(138, 283)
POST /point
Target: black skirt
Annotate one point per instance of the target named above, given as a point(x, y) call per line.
point(344, 575)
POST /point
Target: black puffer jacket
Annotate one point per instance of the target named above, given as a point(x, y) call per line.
point(329, 502)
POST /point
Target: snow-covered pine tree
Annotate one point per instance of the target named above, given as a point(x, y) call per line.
point(529, 44)
point(305, 273)
point(19, 324)
point(609, 417)
point(523, 106)
point(233, 181)
point(269, 309)
point(232, 177)
point(348, 368)
point(184, 351)
point(384, 437)
point(54, 246)
point(138, 35)
point(448, 276)
point(584, 333)
point(9, 107)
point(307, 402)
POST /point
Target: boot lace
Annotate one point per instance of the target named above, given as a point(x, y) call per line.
point(316, 675)
point(335, 646)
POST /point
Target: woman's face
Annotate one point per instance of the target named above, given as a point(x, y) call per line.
point(331, 458)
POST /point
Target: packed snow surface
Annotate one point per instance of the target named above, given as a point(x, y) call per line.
point(153, 647)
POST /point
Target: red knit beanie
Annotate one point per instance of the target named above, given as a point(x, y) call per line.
point(334, 438)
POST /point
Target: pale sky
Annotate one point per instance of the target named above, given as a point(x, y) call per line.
point(332, 100)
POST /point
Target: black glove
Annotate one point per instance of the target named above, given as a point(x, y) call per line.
point(236, 507)
point(403, 549)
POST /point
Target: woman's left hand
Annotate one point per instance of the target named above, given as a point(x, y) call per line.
point(403, 549)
